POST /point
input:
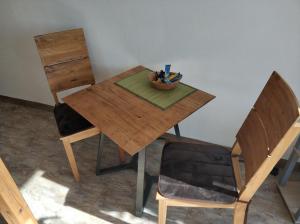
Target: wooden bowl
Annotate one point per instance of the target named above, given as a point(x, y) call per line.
point(157, 84)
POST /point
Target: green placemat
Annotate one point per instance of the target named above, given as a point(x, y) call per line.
point(139, 85)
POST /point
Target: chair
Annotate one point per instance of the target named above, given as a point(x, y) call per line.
point(13, 207)
point(201, 174)
point(64, 56)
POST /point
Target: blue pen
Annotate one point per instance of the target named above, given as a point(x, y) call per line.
point(167, 70)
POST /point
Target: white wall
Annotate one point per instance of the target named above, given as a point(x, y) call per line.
point(227, 48)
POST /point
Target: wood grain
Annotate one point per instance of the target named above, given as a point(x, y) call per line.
point(277, 106)
point(253, 141)
point(81, 135)
point(268, 164)
point(129, 121)
point(194, 203)
point(162, 214)
point(59, 47)
point(71, 158)
point(64, 56)
point(240, 213)
point(266, 134)
point(13, 207)
point(236, 150)
point(68, 75)
point(273, 114)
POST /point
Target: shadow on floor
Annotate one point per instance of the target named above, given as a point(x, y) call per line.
point(32, 151)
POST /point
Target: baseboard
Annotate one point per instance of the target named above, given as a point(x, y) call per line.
point(26, 103)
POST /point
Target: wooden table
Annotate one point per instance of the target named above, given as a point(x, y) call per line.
point(131, 122)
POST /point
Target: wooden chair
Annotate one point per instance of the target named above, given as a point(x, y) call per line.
point(64, 56)
point(13, 207)
point(201, 174)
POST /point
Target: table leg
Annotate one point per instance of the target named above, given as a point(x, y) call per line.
point(297, 216)
point(140, 183)
point(149, 180)
point(177, 131)
point(137, 163)
point(100, 152)
point(145, 181)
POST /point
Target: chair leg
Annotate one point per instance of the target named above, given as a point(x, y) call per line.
point(13, 207)
point(240, 213)
point(72, 161)
point(162, 211)
point(122, 155)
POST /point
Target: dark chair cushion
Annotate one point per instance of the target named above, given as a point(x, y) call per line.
point(197, 171)
point(68, 120)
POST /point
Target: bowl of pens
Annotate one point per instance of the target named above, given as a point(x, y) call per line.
point(165, 80)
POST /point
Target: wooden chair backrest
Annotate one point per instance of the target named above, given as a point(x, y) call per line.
point(267, 132)
point(65, 59)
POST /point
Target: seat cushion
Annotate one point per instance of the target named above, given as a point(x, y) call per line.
point(68, 120)
point(197, 171)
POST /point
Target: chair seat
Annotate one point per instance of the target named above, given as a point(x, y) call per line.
point(197, 171)
point(69, 121)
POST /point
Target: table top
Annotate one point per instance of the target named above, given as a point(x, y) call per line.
point(131, 122)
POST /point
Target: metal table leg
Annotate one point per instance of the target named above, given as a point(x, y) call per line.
point(177, 131)
point(149, 180)
point(132, 164)
point(139, 204)
point(297, 216)
point(137, 163)
point(100, 152)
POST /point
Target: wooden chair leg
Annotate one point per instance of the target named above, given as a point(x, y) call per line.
point(71, 158)
point(122, 155)
point(13, 207)
point(162, 211)
point(240, 213)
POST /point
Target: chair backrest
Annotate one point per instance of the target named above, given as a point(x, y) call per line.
point(65, 59)
point(267, 132)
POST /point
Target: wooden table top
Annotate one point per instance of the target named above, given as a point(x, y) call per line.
point(131, 122)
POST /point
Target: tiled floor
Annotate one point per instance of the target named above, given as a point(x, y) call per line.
point(30, 147)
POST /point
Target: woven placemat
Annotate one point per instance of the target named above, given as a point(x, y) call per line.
point(139, 85)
